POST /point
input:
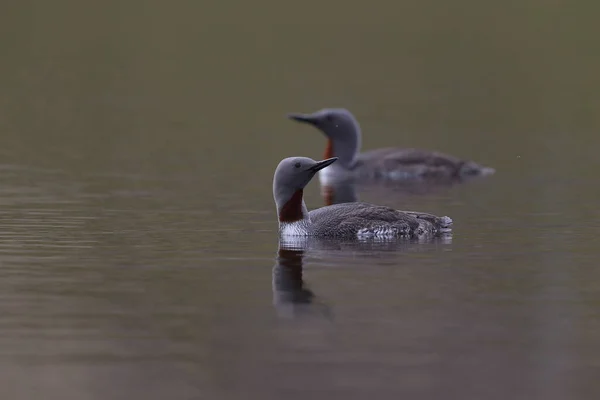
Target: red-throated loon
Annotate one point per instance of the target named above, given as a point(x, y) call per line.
point(346, 220)
point(344, 141)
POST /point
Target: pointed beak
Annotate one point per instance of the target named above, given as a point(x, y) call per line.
point(306, 118)
point(322, 164)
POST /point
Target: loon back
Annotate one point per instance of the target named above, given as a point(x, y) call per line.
point(351, 220)
point(399, 164)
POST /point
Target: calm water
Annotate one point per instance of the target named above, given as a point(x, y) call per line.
point(139, 256)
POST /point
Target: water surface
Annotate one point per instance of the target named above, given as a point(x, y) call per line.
point(139, 255)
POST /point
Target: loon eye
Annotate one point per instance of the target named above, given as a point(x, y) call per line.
point(297, 165)
point(329, 118)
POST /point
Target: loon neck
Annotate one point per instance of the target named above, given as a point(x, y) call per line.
point(328, 150)
point(346, 151)
point(294, 209)
point(328, 193)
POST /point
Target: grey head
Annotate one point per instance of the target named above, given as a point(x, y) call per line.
point(342, 130)
point(291, 176)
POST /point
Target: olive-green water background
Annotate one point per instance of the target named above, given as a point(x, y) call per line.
point(138, 232)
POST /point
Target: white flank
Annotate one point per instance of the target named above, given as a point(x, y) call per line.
point(293, 229)
point(331, 175)
point(378, 231)
point(326, 176)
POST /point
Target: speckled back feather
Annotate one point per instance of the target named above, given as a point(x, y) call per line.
point(351, 220)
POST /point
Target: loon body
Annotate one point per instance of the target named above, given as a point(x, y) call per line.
point(392, 164)
point(346, 220)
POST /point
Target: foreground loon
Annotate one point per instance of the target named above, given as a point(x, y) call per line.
point(344, 141)
point(347, 220)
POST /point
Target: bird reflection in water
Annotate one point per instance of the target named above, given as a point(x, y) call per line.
point(336, 191)
point(347, 192)
point(291, 297)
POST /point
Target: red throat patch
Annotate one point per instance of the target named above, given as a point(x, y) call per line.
point(328, 150)
point(328, 195)
point(292, 210)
